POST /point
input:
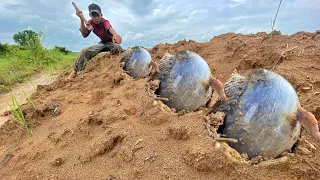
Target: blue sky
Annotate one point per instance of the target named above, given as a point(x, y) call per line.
point(150, 22)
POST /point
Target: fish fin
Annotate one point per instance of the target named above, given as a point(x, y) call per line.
point(165, 64)
point(234, 87)
point(127, 55)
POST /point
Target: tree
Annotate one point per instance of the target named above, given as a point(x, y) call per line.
point(22, 37)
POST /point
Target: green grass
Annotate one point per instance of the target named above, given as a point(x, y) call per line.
point(66, 63)
point(17, 65)
point(28, 99)
point(273, 21)
point(17, 112)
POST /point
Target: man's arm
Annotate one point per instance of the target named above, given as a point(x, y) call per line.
point(115, 36)
point(84, 31)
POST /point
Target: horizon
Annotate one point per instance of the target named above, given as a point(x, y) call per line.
point(148, 23)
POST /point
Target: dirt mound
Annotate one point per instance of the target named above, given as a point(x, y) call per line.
point(105, 125)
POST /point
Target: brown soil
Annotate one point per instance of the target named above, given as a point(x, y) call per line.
point(105, 125)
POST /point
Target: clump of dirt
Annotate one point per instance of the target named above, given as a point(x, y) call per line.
point(317, 113)
point(105, 125)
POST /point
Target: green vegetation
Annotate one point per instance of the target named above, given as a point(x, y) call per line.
point(19, 62)
point(23, 38)
point(273, 21)
point(61, 49)
point(28, 99)
point(17, 112)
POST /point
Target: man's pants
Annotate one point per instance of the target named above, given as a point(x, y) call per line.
point(87, 53)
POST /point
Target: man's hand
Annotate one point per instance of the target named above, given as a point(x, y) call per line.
point(89, 26)
point(116, 39)
point(79, 13)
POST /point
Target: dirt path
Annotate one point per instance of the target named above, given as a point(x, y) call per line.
point(28, 87)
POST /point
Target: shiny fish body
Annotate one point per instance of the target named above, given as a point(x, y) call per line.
point(262, 115)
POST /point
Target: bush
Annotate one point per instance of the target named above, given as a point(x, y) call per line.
point(61, 49)
point(4, 48)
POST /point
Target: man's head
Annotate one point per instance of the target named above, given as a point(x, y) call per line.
point(95, 13)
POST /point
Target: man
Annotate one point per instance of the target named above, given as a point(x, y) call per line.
point(110, 40)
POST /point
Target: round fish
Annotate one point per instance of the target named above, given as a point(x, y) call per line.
point(265, 115)
point(137, 62)
point(186, 80)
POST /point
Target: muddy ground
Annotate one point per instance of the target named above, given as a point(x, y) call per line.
point(105, 125)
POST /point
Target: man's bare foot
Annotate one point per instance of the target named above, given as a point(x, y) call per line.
point(72, 75)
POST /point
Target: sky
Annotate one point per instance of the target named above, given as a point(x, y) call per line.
point(150, 22)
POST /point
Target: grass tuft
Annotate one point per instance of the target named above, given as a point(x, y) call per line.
point(273, 21)
point(17, 112)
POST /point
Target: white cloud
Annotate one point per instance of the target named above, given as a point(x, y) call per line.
point(156, 11)
point(178, 36)
point(239, 1)
point(236, 3)
point(241, 30)
point(241, 17)
point(137, 36)
point(148, 23)
point(220, 28)
point(29, 28)
point(127, 35)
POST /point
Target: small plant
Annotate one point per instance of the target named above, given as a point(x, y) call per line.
point(17, 112)
point(4, 88)
point(273, 21)
point(28, 99)
point(33, 84)
point(50, 72)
